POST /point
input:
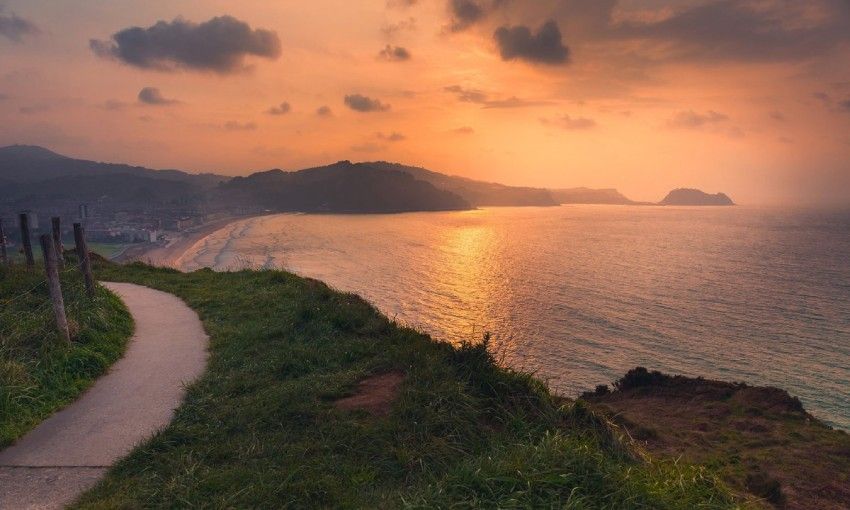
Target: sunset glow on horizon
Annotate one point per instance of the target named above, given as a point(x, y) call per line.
point(748, 97)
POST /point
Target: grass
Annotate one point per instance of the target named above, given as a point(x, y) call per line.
point(39, 373)
point(260, 428)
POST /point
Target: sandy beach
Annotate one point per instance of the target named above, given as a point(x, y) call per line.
point(167, 255)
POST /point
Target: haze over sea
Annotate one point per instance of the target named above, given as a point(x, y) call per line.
point(580, 294)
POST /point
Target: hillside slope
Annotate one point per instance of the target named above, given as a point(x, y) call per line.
point(477, 193)
point(313, 399)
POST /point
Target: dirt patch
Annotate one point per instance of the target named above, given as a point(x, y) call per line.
point(760, 439)
point(375, 394)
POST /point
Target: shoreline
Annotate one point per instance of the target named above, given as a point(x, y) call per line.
point(167, 255)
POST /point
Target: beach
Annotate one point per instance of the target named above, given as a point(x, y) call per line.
point(169, 254)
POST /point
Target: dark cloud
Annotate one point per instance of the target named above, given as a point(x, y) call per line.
point(845, 105)
point(361, 103)
point(465, 13)
point(544, 47)
point(392, 137)
point(463, 130)
point(747, 30)
point(324, 111)
point(3, 97)
point(219, 45)
point(153, 96)
point(14, 28)
point(281, 109)
point(477, 96)
point(240, 126)
point(570, 123)
point(692, 120)
point(394, 54)
point(777, 116)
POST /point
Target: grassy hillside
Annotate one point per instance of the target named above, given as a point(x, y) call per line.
point(38, 372)
point(760, 439)
point(314, 399)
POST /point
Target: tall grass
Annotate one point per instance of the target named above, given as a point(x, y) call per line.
point(39, 372)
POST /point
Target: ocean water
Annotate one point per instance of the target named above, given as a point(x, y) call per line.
point(580, 294)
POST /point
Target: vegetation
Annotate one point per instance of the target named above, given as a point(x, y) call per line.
point(39, 373)
point(424, 424)
point(759, 439)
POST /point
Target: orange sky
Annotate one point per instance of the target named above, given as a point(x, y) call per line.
point(749, 97)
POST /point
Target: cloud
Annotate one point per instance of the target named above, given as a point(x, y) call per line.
point(692, 120)
point(463, 130)
point(746, 30)
point(845, 105)
point(240, 126)
point(392, 137)
point(219, 45)
point(465, 13)
point(778, 116)
point(571, 123)
point(467, 95)
point(14, 28)
point(544, 47)
point(153, 96)
point(3, 97)
point(281, 109)
point(361, 103)
point(324, 111)
point(394, 54)
point(477, 96)
point(390, 29)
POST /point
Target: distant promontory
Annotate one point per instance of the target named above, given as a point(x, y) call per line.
point(688, 196)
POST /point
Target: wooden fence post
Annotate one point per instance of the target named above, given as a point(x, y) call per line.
point(83, 255)
point(49, 252)
point(57, 242)
point(26, 239)
point(4, 258)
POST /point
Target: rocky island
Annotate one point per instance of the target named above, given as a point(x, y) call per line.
point(688, 196)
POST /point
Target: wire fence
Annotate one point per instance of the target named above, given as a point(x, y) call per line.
point(36, 303)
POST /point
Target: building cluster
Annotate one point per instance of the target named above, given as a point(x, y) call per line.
point(106, 223)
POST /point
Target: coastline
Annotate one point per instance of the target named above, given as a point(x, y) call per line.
point(167, 255)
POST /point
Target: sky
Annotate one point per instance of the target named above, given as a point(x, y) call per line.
point(748, 97)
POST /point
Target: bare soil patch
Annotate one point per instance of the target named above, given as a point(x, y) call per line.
point(375, 394)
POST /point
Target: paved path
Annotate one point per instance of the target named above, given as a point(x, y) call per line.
point(70, 451)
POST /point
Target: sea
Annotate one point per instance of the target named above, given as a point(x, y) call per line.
point(581, 294)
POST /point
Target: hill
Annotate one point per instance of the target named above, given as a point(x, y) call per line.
point(477, 193)
point(687, 196)
point(30, 164)
point(590, 196)
point(343, 187)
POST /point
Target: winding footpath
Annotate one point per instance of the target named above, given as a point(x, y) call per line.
point(70, 451)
